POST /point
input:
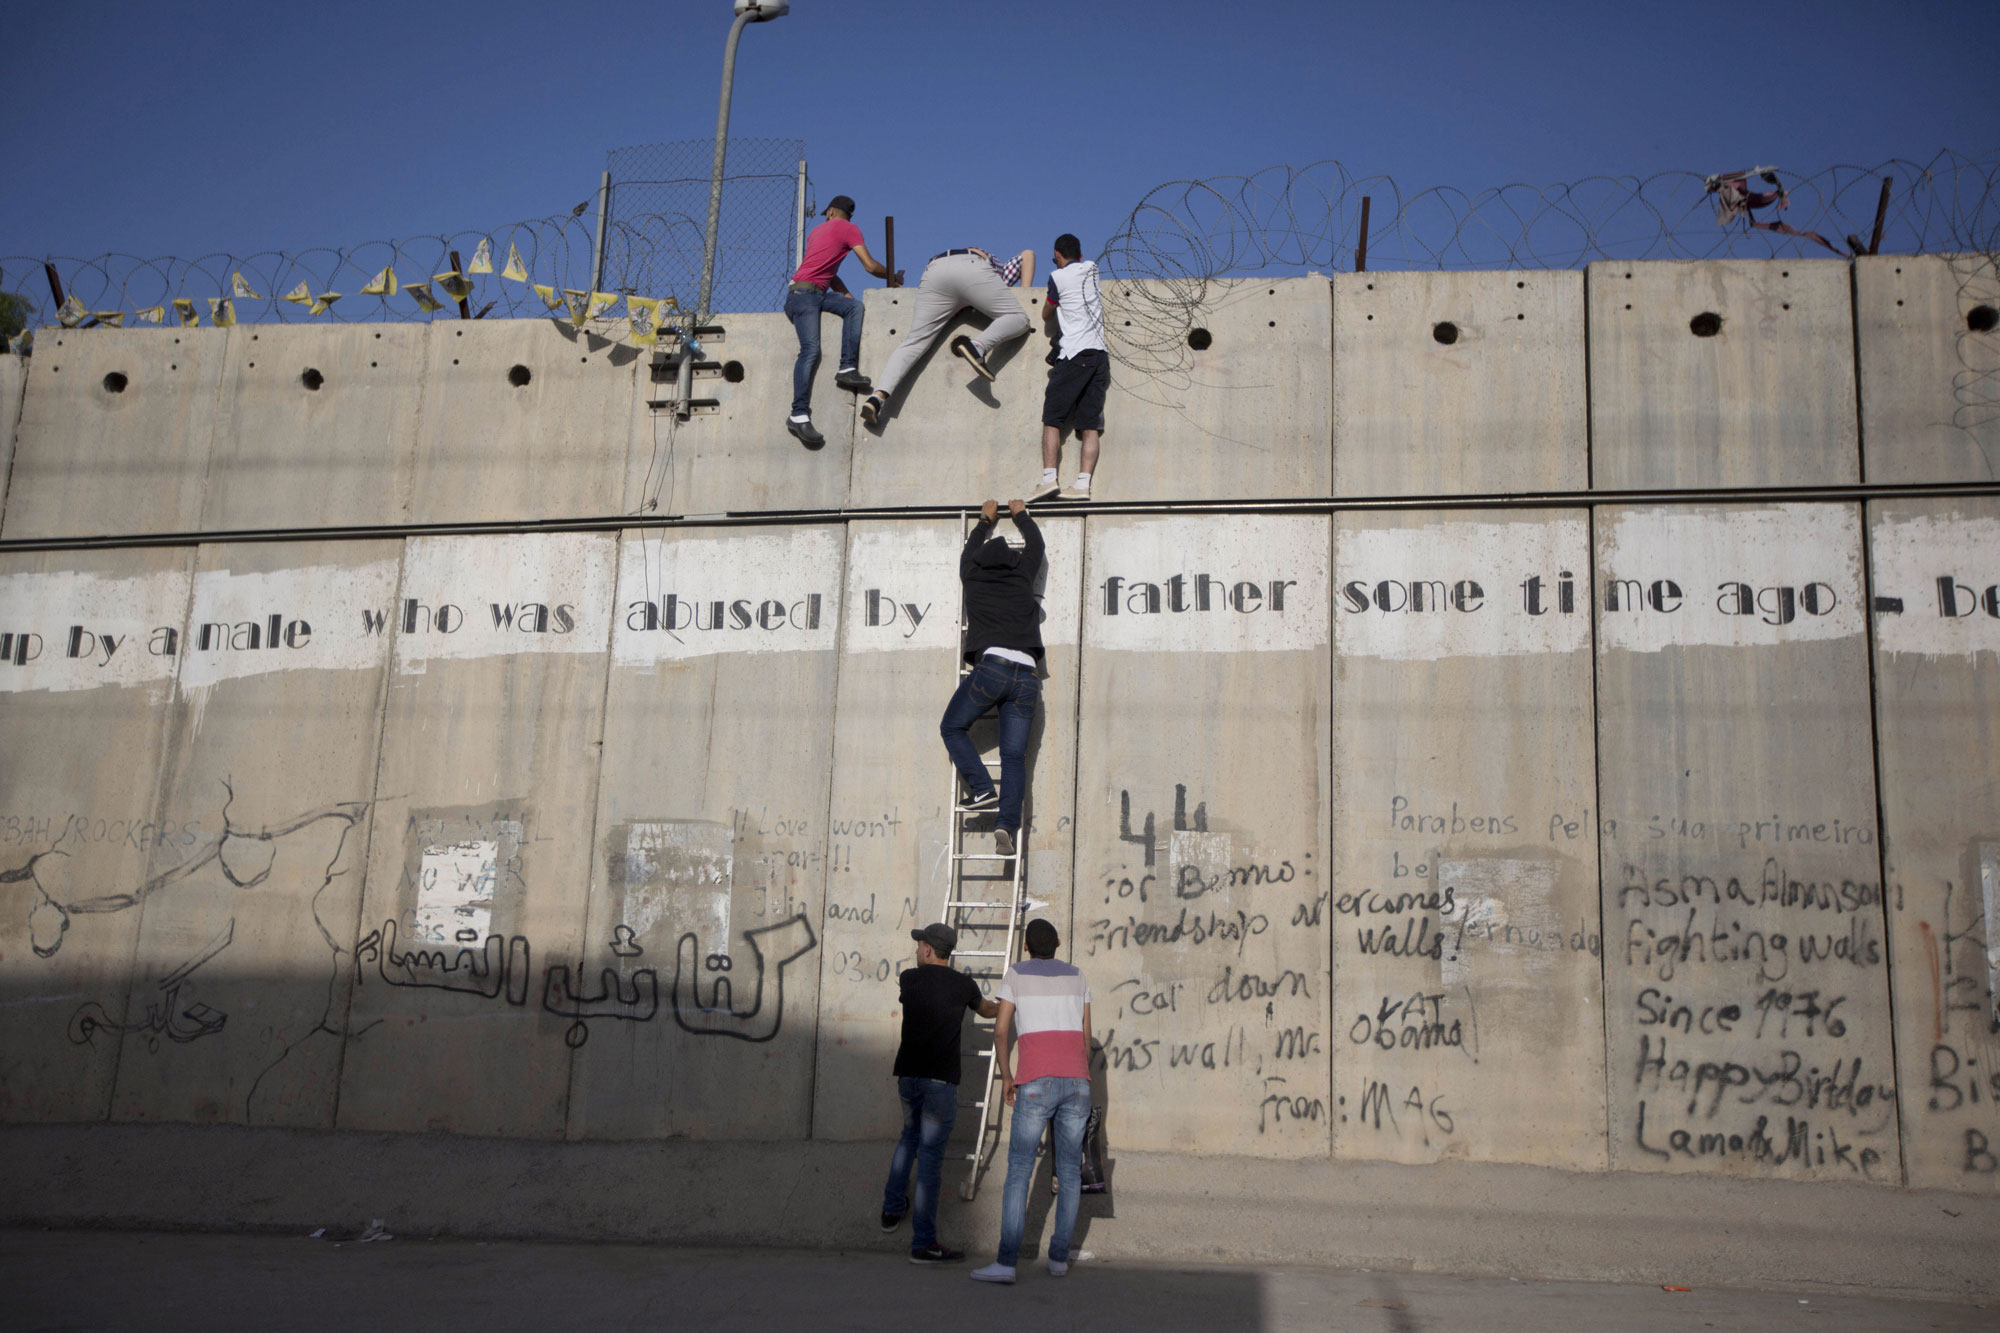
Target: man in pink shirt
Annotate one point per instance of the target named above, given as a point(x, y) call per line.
point(817, 287)
point(1048, 1004)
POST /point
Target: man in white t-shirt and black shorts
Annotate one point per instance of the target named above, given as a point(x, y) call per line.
point(1079, 369)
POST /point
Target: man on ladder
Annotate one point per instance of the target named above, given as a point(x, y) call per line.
point(1003, 643)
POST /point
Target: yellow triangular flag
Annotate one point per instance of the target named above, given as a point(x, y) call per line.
point(221, 311)
point(72, 313)
point(420, 292)
point(455, 285)
point(152, 314)
point(482, 258)
point(110, 319)
point(185, 309)
point(515, 268)
point(299, 295)
point(383, 283)
point(577, 303)
point(549, 297)
point(601, 302)
point(241, 289)
point(645, 314)
point(322, 303)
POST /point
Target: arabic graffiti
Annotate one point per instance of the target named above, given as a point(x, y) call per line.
point(502, 968)
point(718, 1017)
point(168, 1017)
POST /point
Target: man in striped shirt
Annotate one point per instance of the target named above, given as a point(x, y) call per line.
point(1047, 1004)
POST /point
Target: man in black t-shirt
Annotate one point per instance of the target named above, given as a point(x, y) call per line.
point(934, 997)
point(1003, 644)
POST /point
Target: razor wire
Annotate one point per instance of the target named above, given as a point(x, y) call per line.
point(1186, 235)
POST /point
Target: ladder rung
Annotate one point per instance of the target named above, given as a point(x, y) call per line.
point(982, 856)
point(980, 953)
point(974, 903)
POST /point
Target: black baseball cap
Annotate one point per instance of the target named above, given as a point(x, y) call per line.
point(942, 938)
point(841, 202)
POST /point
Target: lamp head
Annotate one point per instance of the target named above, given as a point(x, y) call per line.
point(763, 11)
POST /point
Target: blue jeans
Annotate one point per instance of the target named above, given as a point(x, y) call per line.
point(1067, 1102)
point(930, 1106)
point(1014, 690)
point(803, 309)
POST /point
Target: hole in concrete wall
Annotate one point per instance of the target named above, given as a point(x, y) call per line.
point(1520, 284)
point(1705, 325)
point(115, 383)
point(312, 379)
point(1445, 332)
point(732, 371)
point(519, 377)
point(1272, 324)
point(1200, 339)
point(1982, 319)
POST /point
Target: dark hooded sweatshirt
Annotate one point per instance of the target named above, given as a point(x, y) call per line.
point(1000, 609)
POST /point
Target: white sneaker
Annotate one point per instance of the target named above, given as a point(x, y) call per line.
point(1057, 1268)
point(1001, 1273)
point(1042, 490)
point(1073, 493)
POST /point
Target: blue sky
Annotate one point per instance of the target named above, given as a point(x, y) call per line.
point(183, 130)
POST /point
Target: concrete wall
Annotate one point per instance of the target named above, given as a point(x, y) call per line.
point(1930, 376)
point(1548, 837)
point(13, 385)
point(1644, 375)
point(522, 836)
point(1726, 373)
point(1937, 700)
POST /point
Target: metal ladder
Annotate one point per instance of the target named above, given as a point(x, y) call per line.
point(981, 919)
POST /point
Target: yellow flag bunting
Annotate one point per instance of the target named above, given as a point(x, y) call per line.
point(643, 313)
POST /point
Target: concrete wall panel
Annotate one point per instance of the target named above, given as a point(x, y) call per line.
point(88, 460)
point(87, 655)
point(741, 456)
point(1201, 830)
point(555, 446)
point(13, 384)
point(479, 863)
point(288, 454)
point(1468, 1005)
point(1746, 978)
point(1936, 565)
point(1248, 415)
point(708, 884)
point(1930, 376)
point(238, 1004)
point(1766, 399)
point(1458, 383)
point(889, 816)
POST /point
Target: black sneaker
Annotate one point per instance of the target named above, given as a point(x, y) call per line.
point(989, 801)
point(807, 436)
point(853, 381)
point(871, 408)
point(936, 1254)
point(890, 1221)
point(961, 346)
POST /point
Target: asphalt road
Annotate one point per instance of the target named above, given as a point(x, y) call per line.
point(125, 1280)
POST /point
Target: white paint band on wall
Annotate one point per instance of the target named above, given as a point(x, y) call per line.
point(902, 589)
point(1236, 583)
point(694, 596)
point(1937, 585)
point(1461, 589)
point(62, 630)
point(1728, 577)
point(471, 597)
point(319, 617)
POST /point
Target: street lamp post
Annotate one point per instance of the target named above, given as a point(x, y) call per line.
point(747, 12)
